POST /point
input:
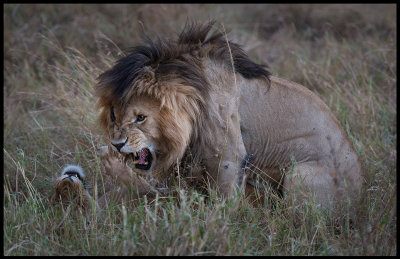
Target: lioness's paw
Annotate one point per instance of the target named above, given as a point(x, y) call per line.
point(107, 153)
point(103, 151)
point(115, 166)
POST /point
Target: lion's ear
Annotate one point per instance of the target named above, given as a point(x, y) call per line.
point(148, 73)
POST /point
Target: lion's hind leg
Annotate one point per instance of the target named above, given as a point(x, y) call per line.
point(313, 183)
point(70, 188)
point(324, 189)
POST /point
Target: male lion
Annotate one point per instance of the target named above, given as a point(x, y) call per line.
point(202, 94)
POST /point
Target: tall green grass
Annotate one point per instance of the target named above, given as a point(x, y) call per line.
point(52, 56)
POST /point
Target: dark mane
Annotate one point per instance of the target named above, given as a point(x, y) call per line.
point(181, 59)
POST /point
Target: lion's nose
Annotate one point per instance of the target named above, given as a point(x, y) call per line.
point(119, 145)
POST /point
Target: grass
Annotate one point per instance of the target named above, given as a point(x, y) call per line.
point(52, 56)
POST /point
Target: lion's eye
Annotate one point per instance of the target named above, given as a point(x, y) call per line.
point(112, 114)
point(140, 118)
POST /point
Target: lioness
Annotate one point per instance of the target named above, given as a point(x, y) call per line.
point(202, 94)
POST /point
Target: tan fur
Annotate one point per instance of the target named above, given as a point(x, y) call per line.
point(297, 144)
point(299, 133)
point(67, 191)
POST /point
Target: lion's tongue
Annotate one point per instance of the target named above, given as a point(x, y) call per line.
point(142, 156)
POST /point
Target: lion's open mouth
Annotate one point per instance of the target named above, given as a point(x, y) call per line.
point(142, 159)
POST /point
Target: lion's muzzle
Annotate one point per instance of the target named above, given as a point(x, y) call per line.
point(119, 144)
point(136, 147)
point(142, 159)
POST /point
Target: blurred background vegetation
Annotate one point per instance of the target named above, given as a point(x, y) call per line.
point(53, 55)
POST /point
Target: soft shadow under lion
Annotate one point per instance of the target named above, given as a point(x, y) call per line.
point(202, 94)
